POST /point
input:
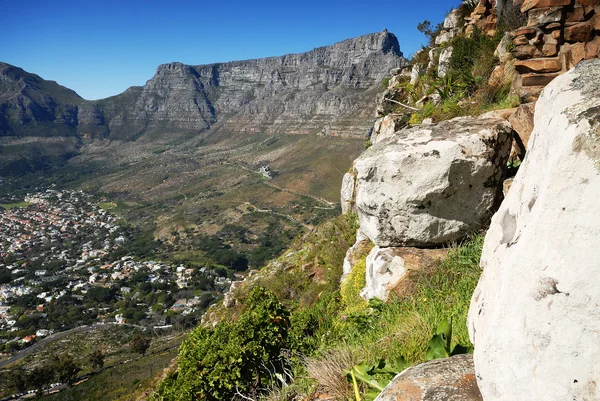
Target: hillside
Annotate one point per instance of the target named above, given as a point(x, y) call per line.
point(187, 148)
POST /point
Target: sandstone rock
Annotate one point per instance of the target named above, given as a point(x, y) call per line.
point(580, 32)
point(526, 51)
point(552, 26)
point(527, 31)
point(539, 65)
point(432, 184)
point(577, 14)
point(389, 124)
point(361, 246)
point(522, 123)
point(529, 94)
point(529, 4)
point(592, 49)
point(348, 193)
point(550, 49)
point(595, 21)
point(447, 379)
point(444, 61)
point(547, 15)
point(538, 79)
point(534, 317)
point(573, 54)
point(506, 186)
point(388, 268)
point(521, 40)
point(504, 114)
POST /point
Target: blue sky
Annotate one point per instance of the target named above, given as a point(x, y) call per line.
point(100, 48)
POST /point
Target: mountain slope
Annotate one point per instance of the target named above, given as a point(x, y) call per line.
point(191, 141)
point(297, 93)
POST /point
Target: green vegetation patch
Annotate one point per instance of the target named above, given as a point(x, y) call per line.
point(14, 205)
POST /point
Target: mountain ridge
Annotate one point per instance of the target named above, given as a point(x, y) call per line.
point(189, 97)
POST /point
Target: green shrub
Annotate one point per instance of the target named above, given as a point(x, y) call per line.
point(352, 285)
point(243, 356)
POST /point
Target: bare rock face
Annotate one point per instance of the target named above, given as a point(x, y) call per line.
point(320, 90)
point(428, 185)
point(447, 379)
point(534, 317)
point(522, 123)
point(387, 127)
point(388, 268)
point(348, 193)
point(326, 91)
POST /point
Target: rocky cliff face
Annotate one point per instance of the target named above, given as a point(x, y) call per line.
point(424, 187)
point(534, 317)
point(322, 90)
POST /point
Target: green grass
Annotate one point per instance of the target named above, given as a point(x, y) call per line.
point(405, 325)
point(306, 279)
point(107, 205)
point(15, 205)
point(120, 382)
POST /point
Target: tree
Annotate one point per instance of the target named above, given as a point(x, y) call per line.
point(40, 377)
point(241, 357)
point(17, 379)
point(65, 369)
point(425, 28)
point(96, 358)
point(140, 344)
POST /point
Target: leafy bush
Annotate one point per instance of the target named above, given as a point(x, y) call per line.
point(235, 357)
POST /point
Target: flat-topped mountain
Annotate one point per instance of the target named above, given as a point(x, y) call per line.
point(190, 143)
point(322, 90)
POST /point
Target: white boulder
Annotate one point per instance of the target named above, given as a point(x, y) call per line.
point(444, 61)
point(428, 185)
point(347, 192)
point(387, 268)
point(535, 315)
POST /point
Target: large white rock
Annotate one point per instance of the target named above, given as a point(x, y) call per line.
point(535, 315)
point(387, 268)
point(347, 193)
point(432, 184)
point(454, 19)
point(444, 61)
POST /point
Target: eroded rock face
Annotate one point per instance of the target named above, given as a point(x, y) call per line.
point(347, 194)
point(388, 268)
point(447, 379)
point(360, 248)
point(387, 127)
point(326, 89)
point(534, 317)
point(428, 185)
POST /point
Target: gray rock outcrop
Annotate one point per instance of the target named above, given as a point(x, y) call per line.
point(447, 379)
point(295, 93)
point(534, 317)
point(348, 192)
point(328, 90)
point(428, 185)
